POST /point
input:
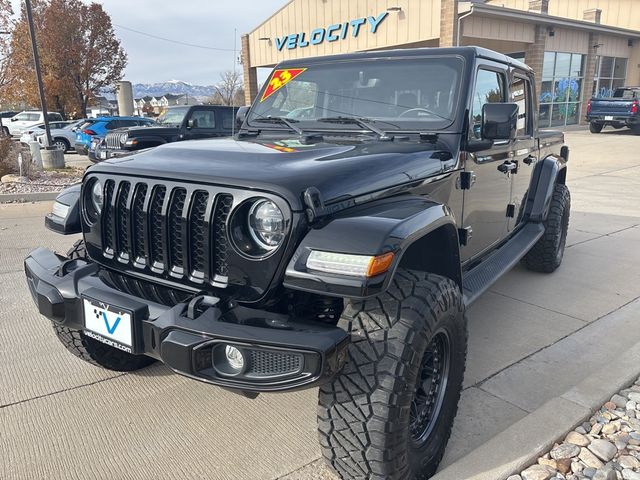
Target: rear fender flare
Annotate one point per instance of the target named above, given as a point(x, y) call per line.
point(551, 170)
point(392, 225)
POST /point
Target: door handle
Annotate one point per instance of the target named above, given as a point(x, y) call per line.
point(530, 159)
point(508, 167)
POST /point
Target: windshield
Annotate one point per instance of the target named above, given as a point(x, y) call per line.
point(404, 94)
point(625, 93)
point(27, 117)
point(173, 116)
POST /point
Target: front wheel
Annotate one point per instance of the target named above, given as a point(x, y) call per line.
point(61, 144)
point(595, 127)
point(389, 413)
point(90, 350)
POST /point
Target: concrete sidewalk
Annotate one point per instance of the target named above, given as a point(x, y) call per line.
point(532, 337)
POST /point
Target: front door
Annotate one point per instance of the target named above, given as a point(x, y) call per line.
point(203, 124)
point(485, 203)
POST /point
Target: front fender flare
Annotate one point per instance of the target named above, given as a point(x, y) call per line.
point(392, 225)
point(70, 223)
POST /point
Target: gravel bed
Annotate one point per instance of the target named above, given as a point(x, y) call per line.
point(43, 181)
point(607, 447)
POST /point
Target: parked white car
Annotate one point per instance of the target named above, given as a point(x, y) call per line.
point(24, 120)
point(32, 133)
point(62, 138)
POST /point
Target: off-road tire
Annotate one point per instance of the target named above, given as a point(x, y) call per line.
point(595, 127)
point(91, 350)
point(364, 413)
point(546, 255)
point(635, 129)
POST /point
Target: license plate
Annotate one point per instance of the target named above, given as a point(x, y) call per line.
point(608, 117)
point(108, 324)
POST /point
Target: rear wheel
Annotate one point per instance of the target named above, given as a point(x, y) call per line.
point(90, 350)
point(389, 413)
point(595, 127)
point(546, 255)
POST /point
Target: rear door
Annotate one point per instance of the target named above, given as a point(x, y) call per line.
point(225, 121)
point(525, 151)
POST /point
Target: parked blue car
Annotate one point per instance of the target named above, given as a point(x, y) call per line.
point(98, 127)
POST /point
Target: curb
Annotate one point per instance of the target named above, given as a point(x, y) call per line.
point(28, 197)
point(520, 445)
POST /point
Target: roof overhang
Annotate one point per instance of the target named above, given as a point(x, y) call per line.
point(481, 9)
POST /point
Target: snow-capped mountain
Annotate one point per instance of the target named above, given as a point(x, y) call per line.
point(176, 87)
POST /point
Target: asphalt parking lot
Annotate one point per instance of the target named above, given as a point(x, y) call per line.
point(531, 336)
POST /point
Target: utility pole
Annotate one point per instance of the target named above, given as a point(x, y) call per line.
point(1, 125)
point(36, 61)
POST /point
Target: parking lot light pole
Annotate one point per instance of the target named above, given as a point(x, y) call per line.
point(36, 61)
point(3, 32)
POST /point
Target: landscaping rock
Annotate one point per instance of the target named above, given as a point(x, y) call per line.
point(589, 459)
point(577, 439)
point(603, 449)
point(538, 472)
point(566, 450)
point(628, 474)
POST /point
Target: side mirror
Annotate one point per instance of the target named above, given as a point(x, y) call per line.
point(499, 121)
point(192, 123)
point(14, 119)
point(241, 116)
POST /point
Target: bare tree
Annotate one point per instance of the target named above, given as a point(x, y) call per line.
point(229, 90)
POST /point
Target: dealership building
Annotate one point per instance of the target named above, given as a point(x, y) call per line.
point(577, 48)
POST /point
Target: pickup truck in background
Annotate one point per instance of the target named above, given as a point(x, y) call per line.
point(621, 110)
point(174, 125)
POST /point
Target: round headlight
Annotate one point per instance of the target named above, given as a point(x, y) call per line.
point(123, 138)
point(266, 224)
point(97, 196)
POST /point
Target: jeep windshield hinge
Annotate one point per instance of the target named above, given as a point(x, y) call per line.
point(466, 180)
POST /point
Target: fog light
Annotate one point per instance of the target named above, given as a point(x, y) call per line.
point(228, 360)
point(234, 357)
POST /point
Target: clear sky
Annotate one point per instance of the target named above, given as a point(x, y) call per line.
point(208, 23)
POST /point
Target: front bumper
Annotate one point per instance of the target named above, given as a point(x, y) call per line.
point(189, 341)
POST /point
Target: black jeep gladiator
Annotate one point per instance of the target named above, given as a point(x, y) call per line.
point(173, 125)
point(335, 241)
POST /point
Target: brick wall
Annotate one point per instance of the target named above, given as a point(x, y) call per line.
point(539, 6)
point(250, 74)
point(534, 57)
point(589, 74)
point(448, 23)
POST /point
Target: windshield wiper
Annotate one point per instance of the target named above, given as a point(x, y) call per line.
point(361, 122)
point(282, 121)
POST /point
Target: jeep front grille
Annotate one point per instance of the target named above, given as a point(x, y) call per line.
point(113, 140)
point(179, 231)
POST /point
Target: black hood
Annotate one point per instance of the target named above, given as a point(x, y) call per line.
point(149, 131)
point(286, 167)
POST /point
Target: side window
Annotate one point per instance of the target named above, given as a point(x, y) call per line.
point(203, 119)
point(521, 95)
point(128, 123)
point(489, 89)
point(227, 119)
point(113, 124)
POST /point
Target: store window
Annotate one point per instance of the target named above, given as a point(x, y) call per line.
point(562, 77)
point(611, 73)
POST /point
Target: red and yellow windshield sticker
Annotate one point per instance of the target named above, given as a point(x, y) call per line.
point(279, 78)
